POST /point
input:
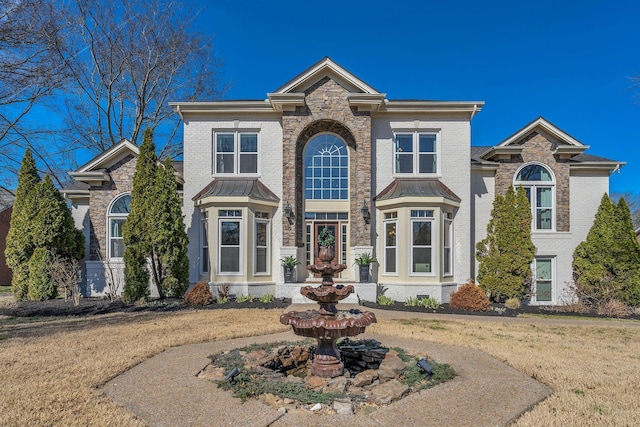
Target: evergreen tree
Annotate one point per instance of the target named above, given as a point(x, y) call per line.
point(136, 229)
point(19, 240)
point(169, 238)
point(505, 255)
point(606, 265)
point(41, 285)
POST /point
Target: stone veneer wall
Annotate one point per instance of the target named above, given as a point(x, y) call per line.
point(537, 148)
point(327, 110)
point(101, 197)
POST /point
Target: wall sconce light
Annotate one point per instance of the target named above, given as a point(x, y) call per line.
point(366, 215)
point(288, 212)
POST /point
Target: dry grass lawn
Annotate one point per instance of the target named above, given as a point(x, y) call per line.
point(51, 370)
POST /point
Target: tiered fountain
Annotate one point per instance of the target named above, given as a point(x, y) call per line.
point(327, 324)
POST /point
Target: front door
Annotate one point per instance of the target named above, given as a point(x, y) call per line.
point(333, 227)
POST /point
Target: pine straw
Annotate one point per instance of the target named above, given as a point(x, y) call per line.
point(51, 370)
point(594, 371)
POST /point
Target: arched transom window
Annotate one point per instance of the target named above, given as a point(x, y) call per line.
point(326, 168)
point(118, 213)
point(539, 184)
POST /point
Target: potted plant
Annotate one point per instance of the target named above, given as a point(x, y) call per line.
point(364, 261)
point(289, 264)
point(326, 241)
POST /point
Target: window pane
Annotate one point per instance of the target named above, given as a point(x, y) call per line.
point(543, 197)
point(261, 234)
point(421, 233)
point(248, 143)
point(248, 163)
point(205, 260)
point(404, 143)
point(390, 260)
point(427, 163)
point(230, 260)
point(543, 291)
point(224, 163)
point(117, 248)
point(543, 269)
point(230, 233)
point(543, 219)
point(391, 234)
point(422, 260)
point(326, 157)
point(404, 163)
point(122, 205)
point(447, 260)
point(427, 143)
point(116, 227)
point(534, 173)
point(261, 260)
point(224, 143)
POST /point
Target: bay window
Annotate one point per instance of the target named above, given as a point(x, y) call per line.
point(421, 241)
point(390, 242)
point(262, 243)
point(229, 241)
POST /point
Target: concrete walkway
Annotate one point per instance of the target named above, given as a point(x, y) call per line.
point(164, 390)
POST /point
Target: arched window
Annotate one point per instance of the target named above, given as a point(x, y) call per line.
point(326, 168)
point(539, 184)
point(118, 212)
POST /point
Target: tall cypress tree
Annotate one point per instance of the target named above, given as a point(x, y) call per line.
point(505, 255)
point(20, 245)
point(136, 228)
point(606, 265)
point(169, 239)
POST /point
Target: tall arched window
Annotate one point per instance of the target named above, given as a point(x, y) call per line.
point(539, 184)
point(326, 168)
point(118, 213)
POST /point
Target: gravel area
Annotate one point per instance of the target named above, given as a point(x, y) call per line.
point(164, 391)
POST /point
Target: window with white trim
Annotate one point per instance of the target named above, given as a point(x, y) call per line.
point(421, 241)
point(416, 153)
point(447, 253)
point(391, 242)
point(543, 279)
point(326, 168)
point(229, 241)
point(539, 184)
point(118, 213)
point(204, 242)
point(235, 153)
point(262, 243)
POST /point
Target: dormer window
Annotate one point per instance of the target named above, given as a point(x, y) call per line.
point(539, 184)
point(416, 153)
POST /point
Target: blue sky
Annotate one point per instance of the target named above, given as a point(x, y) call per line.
point(568, 61)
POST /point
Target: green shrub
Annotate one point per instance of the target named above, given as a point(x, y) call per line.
point(267, 298)
point(171, 287)
point(244, 298)
point(412, 302)
point(385, 300)
point(200, 294)
point(470, 297)
point(430, 303)
point(41, 286)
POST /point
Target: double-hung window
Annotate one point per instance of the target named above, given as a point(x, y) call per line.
point(422, 241)
point(543, 275)
point(235, 153)
point(229, 241)
point(204, 242)
point(262, 243)
point(447, 254)
point(391, 242)
point(538, 182)
point(416, 153)
point(118, 213)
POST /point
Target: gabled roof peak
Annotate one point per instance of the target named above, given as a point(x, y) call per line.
point(545, 126)
point(326, 67)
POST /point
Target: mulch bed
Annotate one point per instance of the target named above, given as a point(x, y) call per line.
point(96, 306)
point(497, 310)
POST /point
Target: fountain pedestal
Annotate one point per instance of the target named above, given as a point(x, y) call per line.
point(327, 324)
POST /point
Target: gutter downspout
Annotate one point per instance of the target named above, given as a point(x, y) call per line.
point(473, 113)
point(179, 112)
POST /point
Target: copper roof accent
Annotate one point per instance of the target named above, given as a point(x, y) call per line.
point(411, 187)
point(237, 187)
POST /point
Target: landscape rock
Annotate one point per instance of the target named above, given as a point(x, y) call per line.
point(336, 385)
point(366, 410)
point(315, 381)
point(316, 407)
point(364, 378)
point(343, 407)
point(210, 372)
point(389, 392)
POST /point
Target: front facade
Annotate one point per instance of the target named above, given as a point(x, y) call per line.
point(398, 179)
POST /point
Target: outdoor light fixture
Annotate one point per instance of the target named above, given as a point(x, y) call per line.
point(288, 212)
point(365, 212)
point(231, 376)
point(424, 365)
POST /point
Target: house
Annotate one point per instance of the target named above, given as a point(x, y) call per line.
point(99, 202)
point(6, 209)
point(395, 178)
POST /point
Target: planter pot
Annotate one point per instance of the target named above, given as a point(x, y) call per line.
point(364, 273)
point(288, 274)
point(326, 254)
